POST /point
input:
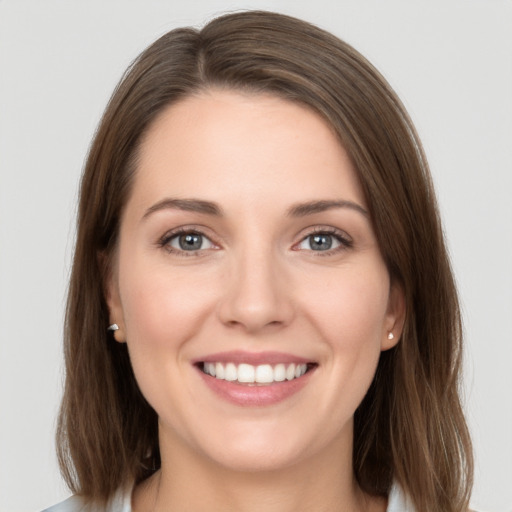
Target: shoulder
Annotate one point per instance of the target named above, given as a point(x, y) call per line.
point(120, 502)
point(398, 501)
point(73, 504)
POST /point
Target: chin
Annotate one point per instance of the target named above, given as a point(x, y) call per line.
point(261, 448)
point(255, 461)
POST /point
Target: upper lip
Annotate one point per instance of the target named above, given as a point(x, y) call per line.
point(252, 358)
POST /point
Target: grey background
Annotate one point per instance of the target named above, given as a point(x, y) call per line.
point(449, 60)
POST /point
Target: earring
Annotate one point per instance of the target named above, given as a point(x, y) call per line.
point(113, 327)
point(391, 336)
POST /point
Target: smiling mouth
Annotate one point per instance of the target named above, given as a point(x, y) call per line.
point(255, 375)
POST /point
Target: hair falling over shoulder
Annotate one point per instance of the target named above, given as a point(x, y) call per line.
point(410, 427)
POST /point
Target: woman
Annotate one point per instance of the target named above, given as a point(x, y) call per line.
point(261, 314)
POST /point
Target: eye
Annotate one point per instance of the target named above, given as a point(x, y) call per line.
point(319, 242)
point(324, 241)
point(187, 241)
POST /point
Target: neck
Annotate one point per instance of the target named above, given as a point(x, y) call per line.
point(187, 481)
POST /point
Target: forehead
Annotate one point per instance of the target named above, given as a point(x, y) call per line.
point(231, 144)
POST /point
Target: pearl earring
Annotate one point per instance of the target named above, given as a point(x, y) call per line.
point(391, 336)
point(113, 327)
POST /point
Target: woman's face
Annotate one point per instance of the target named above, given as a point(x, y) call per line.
point(246, 252)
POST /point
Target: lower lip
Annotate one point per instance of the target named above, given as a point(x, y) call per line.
point(257, 395)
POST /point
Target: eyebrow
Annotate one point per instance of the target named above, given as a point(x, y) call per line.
point(211, 208)
point(312, 207)
point(188, 205)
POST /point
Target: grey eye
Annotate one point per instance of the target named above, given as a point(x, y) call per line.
point(190, 242)
point(320, 242)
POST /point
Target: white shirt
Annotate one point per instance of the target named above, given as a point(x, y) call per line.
point(121, 502)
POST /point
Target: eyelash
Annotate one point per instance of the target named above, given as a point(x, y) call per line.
point(164, 242)
point(341, 237)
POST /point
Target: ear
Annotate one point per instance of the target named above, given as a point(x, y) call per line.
point(395, 317)
point(112, 296)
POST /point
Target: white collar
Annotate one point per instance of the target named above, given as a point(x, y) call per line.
point(398, 501)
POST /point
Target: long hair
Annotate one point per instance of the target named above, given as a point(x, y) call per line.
point(410, 426)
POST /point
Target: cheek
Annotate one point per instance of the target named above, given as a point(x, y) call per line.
point(349, 313)
point(352, 306)
point(162, 308)
point(162, 311)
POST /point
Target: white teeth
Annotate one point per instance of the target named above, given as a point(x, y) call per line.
point(249, 374)
point(279, 373)
point(219, 371)
point(246, 373)
point(264, 374)
point(231, 372)
point(210, 369)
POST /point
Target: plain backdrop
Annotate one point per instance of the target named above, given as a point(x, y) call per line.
point(449, 60)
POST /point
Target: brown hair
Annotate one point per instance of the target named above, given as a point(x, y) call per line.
point(410, 426)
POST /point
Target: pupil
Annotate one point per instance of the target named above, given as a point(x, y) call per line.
point(321, 242)
point(190, 242)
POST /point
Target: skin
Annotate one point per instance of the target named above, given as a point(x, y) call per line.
point(255, 285)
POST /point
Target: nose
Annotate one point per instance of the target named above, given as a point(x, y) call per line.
point(257, 296)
